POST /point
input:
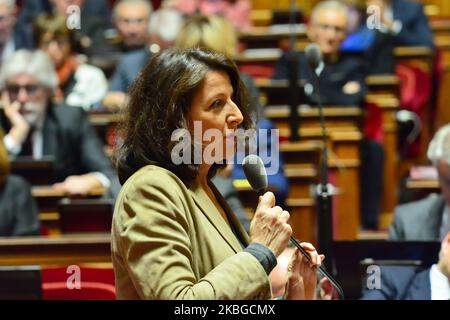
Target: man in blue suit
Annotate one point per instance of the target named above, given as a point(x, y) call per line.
point(13, 36)
point(404, 20)
point(409, 283)
point(393, 23)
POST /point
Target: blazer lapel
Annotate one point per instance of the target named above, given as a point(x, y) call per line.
point(50, 143)
point(210, 211)
point(239, 230)
point(435, 217)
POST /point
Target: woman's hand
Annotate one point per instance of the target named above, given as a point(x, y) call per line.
point(302, 277)
point(269, 225)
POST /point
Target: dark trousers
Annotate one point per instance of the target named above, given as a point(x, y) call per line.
point(372, 157)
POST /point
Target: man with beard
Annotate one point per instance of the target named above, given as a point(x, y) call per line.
point(35, 127)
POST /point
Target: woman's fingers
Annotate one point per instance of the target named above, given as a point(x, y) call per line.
point(316, 259)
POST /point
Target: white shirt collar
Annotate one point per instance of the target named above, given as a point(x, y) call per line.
point(440, 284)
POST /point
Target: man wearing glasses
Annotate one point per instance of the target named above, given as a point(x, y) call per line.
point(342, 76)
point(35, 127)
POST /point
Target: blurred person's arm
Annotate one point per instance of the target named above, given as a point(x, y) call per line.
point(4, 162)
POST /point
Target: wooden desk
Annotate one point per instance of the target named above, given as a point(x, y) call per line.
point(383, 90)
point(336, 117)
point(272, 37)
point(302, 163)
point(421, 188)
point(428, 184)
point(47, 199)
point(55, 250)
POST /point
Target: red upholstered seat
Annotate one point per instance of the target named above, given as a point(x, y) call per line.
point(95, 284)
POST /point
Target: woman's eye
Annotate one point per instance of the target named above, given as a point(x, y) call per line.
point(217, 104)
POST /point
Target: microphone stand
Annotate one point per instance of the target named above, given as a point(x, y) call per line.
point(292, 65)
point(324, 194)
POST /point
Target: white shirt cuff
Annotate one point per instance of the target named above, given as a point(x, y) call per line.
point(103, 179)
point(397, 27)
point(12, 147)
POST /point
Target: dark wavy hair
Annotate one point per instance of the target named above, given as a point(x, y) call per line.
point(159, 103)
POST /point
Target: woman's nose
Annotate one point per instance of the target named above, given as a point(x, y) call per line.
point(235, 118)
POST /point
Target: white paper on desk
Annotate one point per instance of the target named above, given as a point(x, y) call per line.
point(263, 52)
point(286, 28)
point(423, 173)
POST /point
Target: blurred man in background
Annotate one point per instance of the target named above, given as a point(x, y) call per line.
point(428, 219)
point(13, 36)
point(35, 127)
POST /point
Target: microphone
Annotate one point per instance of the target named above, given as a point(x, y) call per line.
point(256, 175)
point(314, 58)
point(255, 172)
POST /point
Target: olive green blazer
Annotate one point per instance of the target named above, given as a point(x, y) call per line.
point(170, 242)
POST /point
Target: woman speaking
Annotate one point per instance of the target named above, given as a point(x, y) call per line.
point(173, 235)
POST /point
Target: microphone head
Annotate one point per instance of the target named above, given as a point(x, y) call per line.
point(313, 55)
point(255, 172)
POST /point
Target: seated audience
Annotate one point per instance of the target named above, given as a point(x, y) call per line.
point(404, 20)
point(410, 283)
point(164, 27)
point(18, 209)
point(342, 80)
point(131, 19)
point(13, 36)
point(33, 8)
point(35, 126)
point(80, 84)
point(90, 23)
point(235, 11)
point(428, 219)
point(400, 23)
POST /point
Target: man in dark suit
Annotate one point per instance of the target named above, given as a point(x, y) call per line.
point(35, 127)
point(18, 209)
point(409, 283)
point(13, 36)
point(428, 219)
point(342, 77)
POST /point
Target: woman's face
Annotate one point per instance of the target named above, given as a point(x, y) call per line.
point(57, 49)
point(214, 117)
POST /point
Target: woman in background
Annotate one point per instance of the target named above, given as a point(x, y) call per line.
point(80, 84)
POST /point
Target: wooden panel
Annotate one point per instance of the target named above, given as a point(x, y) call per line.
point(55, 250)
